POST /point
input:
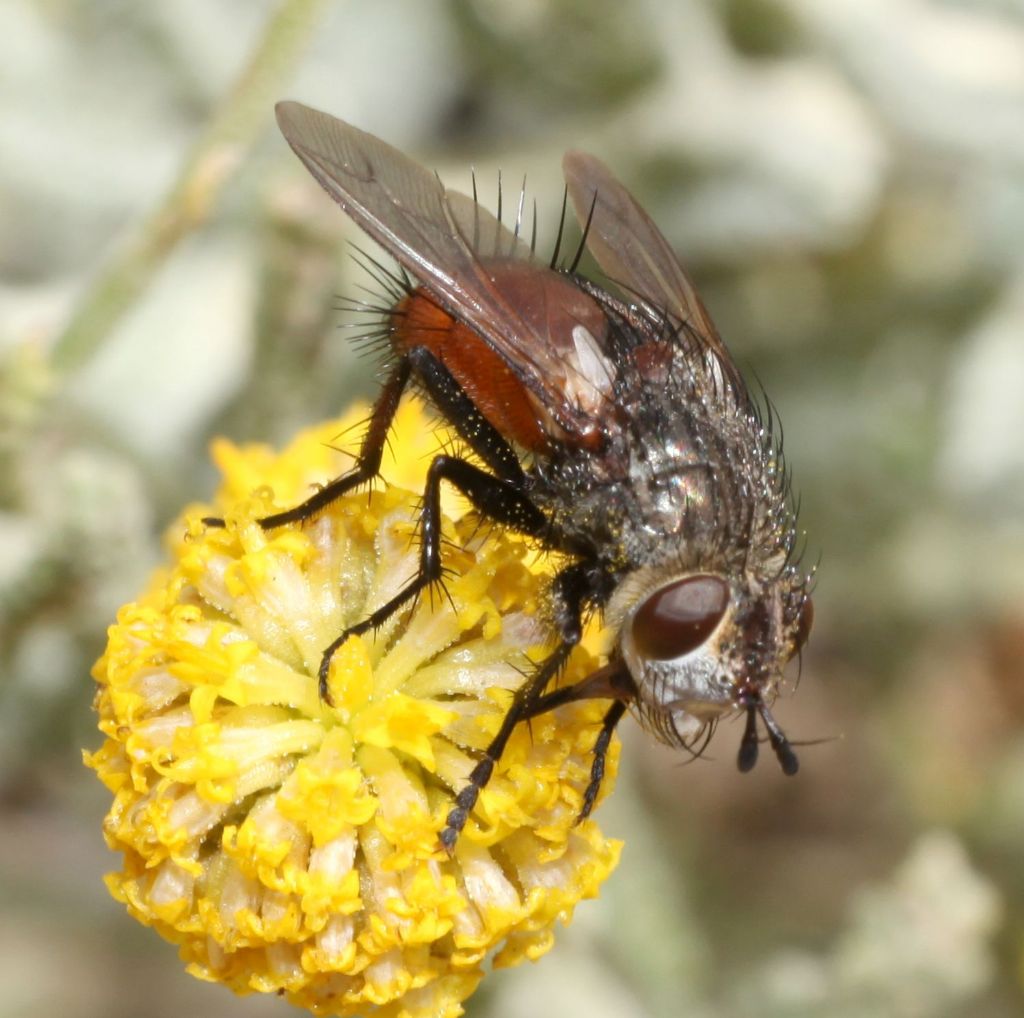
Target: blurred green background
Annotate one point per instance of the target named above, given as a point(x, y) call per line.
point(845, 180)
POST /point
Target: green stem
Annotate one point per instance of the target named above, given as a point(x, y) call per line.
point(214, 158)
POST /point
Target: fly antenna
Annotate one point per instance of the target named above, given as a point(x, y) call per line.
point(780, 744)
point(747, 756)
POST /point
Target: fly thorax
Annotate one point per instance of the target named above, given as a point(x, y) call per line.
point(673, 490)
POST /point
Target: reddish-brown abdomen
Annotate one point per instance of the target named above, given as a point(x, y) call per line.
point(484, 375)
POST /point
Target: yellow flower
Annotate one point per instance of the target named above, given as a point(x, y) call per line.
point(292, 847)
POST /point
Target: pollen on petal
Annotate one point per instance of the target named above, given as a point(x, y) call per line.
point(290, 845)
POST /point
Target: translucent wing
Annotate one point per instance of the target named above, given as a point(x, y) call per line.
point(478, 270)
point(401, 204)
point(632, 251)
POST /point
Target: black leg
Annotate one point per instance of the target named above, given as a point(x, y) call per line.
point(481, 773)
point(569, 592)
point(461, 413)
point(613, 682)
point(604, 738)
point(453, 405)
point(367, 464)
point(499, 500)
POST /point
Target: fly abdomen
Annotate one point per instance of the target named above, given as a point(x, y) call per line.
point(483, 374)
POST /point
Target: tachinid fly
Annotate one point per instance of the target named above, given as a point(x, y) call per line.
point(613, 427)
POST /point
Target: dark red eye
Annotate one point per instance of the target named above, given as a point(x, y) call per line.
point(678, 618)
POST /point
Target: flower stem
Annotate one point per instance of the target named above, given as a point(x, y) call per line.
point(213, 161)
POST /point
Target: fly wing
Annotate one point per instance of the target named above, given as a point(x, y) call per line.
point(446, 240)
point(399, 203)
point(632, 251)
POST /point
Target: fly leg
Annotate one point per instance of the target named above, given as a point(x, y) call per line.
point(500, 496)
point(454, 405)
point(367, 463)
point(569, 591)
point(604, 738)
point(611, 682)
point(493, 497)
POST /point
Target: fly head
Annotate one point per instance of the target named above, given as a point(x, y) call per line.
point(701, 645)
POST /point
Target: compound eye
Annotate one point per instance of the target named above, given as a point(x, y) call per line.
point(678, 618)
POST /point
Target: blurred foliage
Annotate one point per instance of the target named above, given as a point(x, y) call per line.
point(846, 182)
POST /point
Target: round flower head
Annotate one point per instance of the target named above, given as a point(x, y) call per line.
point(291, 846)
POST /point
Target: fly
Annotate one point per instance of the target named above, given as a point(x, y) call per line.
point(613, 427)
